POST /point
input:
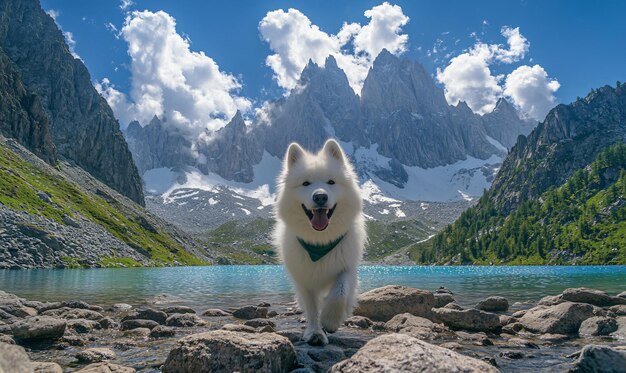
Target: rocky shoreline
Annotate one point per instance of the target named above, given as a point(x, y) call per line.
point(395, 328)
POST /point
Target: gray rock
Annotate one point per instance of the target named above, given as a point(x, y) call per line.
point(619, 310)
point(134, 324)
point(493, 304)
point(441, 299)
point(83, 325)
point(564, 318)
point(38, 328)
point(178, 309)
point(42, 367)
point(74, 313)
point(121, 307)
point(622, 294)
point(478, 339)
point(512, 328)
point(146, 314)
point(403, 353)
point(518, 314)
point(621, 328)
point(215, 312)
point(220, 350)
point(470, 319)
point(107, 323)
point(259, 323)
point(597, 325)
point(138, 332)
point(382, 304)
point(184, 320)
point(238, 328)
point(161, 331)
point(591, 296)
point(95, 355)
point(600, 359)
point(358, 322)
point(250, 312)
point(105, 368)
point(453, 306)
point(550, 300)
point(14, 359)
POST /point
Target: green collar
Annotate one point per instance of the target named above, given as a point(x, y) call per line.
point(318, 251)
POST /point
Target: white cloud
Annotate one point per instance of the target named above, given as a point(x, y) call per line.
point(295, 40)
point(531, 90)
point(53, 13)
point(126, 4)
point(69, 37)
point(185, 87)
point(71, 43)
point(468, 77)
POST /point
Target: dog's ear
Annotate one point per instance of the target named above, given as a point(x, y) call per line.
point(333, 149)
point(294, 154)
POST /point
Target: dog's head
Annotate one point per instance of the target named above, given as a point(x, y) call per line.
point(318, 193)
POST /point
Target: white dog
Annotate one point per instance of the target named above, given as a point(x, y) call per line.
point(320, 234)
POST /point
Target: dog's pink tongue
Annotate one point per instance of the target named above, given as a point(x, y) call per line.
point(320, 219)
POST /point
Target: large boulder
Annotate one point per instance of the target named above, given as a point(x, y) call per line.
point(493, 304)
point(226, 351)
point(592, 296)
point(597, 325)
point(441, 299)
point(382, 304)
point(13, 359)
point(147, 314)
point(38, 328)
point(95, 355)
point(415, 326)
point(250, 312)
point(403, 353)
point(184, 320)
point(469, 319)
point(563, 318)
point(600, 359)
point(137, 323)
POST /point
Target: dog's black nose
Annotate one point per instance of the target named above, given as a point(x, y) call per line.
point(320, 198)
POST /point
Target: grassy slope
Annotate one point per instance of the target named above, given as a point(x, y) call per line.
point(581, 222)
point(249, 242)
point(20, 183)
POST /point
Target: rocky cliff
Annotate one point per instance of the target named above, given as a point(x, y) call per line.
point(560, 196)
point(81, 123)
point(21, 115)
point(401, 119)
point(505, 125)
point(570, 138)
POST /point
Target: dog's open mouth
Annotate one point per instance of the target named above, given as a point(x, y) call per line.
point(319, 218)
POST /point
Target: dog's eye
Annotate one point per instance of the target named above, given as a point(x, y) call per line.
point(331, 182)
point(306, 183)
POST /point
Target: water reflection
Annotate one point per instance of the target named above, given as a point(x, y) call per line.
point(224, 286)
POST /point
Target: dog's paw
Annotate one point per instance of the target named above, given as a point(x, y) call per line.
point(316, 338)
point(333, 315)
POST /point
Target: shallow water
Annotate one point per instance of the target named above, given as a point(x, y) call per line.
point(231, 286)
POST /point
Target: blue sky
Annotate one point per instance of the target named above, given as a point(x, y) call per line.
point(580, 44)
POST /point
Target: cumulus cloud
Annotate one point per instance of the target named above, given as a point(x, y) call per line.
point(185, 87)
point(468, 77)
point(531, 90)
point(295, 40)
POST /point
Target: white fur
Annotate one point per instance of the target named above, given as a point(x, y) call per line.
point(326, 289)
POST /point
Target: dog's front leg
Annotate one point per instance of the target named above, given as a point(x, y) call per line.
point(309, 301)
point(340, 301)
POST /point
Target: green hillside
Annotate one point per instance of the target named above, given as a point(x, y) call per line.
point(581, 222)
point(29, 185)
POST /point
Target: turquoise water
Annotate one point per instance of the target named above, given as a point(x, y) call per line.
point(229, 286)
